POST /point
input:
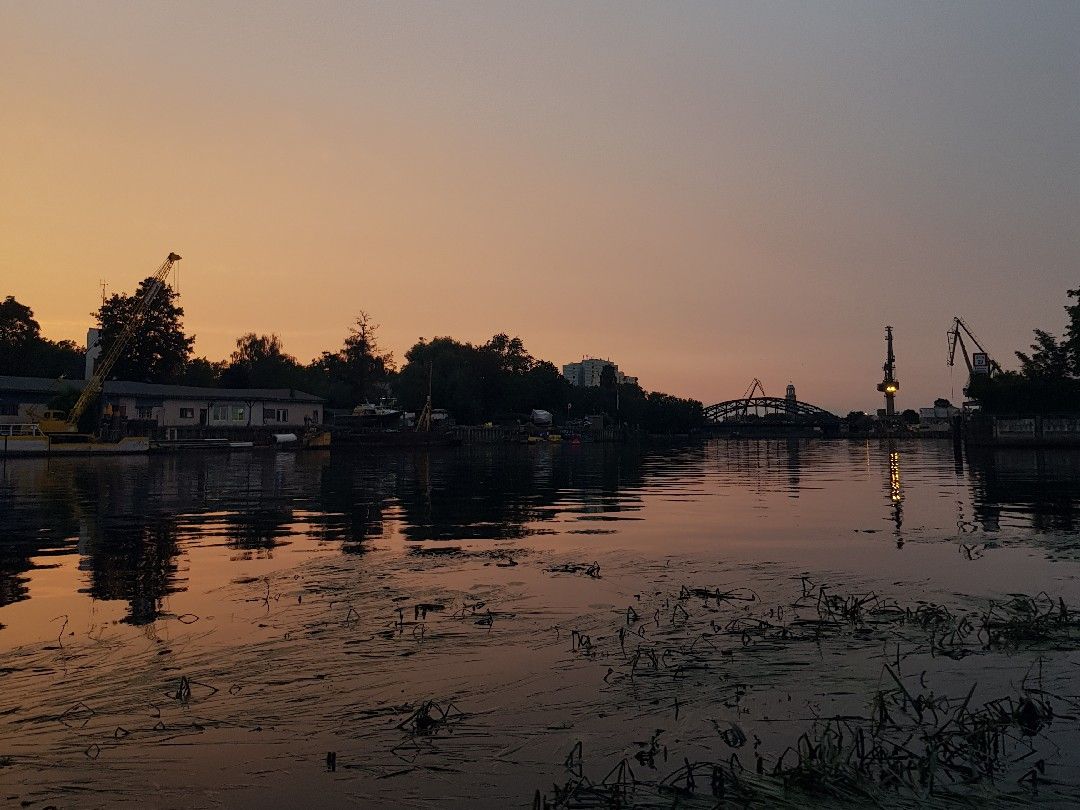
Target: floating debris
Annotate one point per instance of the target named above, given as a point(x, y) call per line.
point(588, 569)
point(430, 717)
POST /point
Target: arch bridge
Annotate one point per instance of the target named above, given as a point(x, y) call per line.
point(772, 408)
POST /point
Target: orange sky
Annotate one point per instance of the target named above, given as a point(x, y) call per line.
point(703, 192)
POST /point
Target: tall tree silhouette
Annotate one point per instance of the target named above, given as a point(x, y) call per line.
point(160, 349)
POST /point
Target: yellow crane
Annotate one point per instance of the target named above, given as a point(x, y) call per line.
point(55, 422)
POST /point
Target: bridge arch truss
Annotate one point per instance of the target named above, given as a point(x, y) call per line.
point(750, 407)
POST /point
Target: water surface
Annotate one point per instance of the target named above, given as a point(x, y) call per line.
point(206, 628)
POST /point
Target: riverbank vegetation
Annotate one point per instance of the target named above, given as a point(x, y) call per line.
point(495, 381)
point(1049, 377)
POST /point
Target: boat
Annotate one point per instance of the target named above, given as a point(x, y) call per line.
point(30, 440)
point(384, 425)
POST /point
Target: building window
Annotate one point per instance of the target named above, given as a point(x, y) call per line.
point(187, 413)
point(230, 413)
point(144, 412)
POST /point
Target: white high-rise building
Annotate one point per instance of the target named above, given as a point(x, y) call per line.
point(93, 351)
point(586, 374)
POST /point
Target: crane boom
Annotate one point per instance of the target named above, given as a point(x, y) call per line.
point(754, 386)
point(956, 338)
point(105, 365)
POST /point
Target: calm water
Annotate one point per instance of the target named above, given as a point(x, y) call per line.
point(204, 629)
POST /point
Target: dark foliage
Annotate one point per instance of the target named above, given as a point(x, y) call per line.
point(162, 348)
point(260, 361)
point(1012, 392)
point(1049, 376)
point(24, 352)
point(202, 373)
point(357, 372)
point(500, 381)
point(495, 381)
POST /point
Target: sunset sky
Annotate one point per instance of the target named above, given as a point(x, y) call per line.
point(704, 192)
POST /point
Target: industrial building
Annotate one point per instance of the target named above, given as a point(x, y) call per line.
point(938, 420)
point(169, 411)
point(586, 374)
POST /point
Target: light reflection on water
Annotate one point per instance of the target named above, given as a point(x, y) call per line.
point(282, 586)
point(130, 525)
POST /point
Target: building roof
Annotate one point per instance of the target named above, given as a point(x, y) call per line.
point(44, 385)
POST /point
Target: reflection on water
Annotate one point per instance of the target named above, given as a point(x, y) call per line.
point(1026, 487)
point(896, 491)
point(203, 629)
point(130, 522)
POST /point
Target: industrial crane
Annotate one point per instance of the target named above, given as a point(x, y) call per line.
point(889, 384)
point(105, 364)
point(755, 386)
point(956, 338)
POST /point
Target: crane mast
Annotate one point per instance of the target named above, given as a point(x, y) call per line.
point(105, 365)
point(889, 384)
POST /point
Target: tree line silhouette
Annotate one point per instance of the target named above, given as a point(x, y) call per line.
point(476, 383)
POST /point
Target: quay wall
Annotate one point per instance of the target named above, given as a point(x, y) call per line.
point(1024, 430)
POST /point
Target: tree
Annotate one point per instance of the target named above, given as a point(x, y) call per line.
point(509, 354)
point(159, 349)
point(62, 358)
point(202, 373)
point(910, 417)
point(455, 372)
point(665, 413)
point(1049, 377)
point(260, 361)
point(501, 380)
point(1072, 332)
point(18, 331)
point(24, 352)
point(1048, 359)
point(1051, 358)
point(506, 377)
point(859, 422)
point(608, 378)
point(546, 387)
point(1011, 393)
point(355, 372)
